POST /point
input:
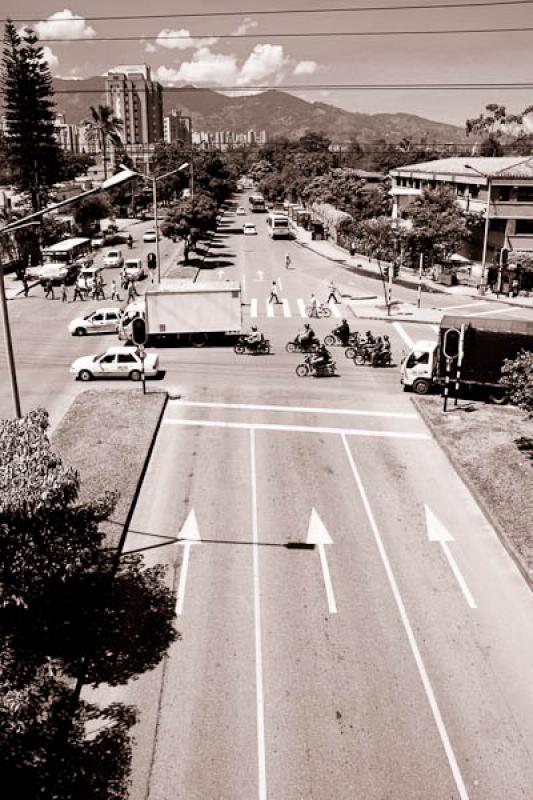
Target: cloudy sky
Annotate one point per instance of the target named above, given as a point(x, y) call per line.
point(194, 50)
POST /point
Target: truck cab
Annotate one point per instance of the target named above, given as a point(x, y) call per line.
point(418, 367)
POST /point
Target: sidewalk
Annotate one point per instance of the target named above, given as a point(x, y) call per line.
point(362, 265)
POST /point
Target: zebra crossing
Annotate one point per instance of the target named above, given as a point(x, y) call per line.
point(257, 306)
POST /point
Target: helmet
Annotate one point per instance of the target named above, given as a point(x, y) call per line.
point(307, 325)
point(368, 333)
point(386, 337)
point(254, 327)
point(344, 322)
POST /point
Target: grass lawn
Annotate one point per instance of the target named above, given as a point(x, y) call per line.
point(492, 449)
point(106, 436)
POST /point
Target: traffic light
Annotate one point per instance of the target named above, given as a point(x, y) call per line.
point(138, 331)
point(396, 270)
point(151, 260)
point(504, 257)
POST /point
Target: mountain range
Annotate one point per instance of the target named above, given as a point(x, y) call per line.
point(278, 113)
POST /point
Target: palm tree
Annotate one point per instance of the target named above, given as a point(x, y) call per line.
point(104, 127)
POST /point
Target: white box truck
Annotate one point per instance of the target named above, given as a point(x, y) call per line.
point(189, 312)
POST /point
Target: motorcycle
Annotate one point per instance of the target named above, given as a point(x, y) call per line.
point(308, 368)
point(295, 346)
point(363, 356)
point(357, 347)
point(333, 340)
point(383, 360)
point(259, 348)
point(130, 242)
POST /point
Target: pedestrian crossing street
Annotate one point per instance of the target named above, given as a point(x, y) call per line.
point(263, 307)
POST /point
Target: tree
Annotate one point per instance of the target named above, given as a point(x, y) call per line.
point(189, 219)
point(32, 150)
point(104, 128)
point(517, 377)
point(91, 209)
point(166, 158)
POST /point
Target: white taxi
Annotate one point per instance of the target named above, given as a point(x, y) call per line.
point(102, 320)
point(117, 362)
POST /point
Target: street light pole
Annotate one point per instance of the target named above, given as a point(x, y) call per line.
point(9, 345)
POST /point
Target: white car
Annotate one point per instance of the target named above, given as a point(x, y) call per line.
point(117, 362)
point(113, 258)
point(97, 240)
point(89, 275)
point(149, 236)
point(133, 269)
point(102, 320)
point(249, 229)
point(51, 272)
point(241, 211)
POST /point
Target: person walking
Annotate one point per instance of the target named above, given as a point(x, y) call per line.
point(64, 293)
point(313, 305)
point(132, 293)
point(26, 285)
point(332, 292)
point(274, 293)
point(114, 291)
point(287, 261)
point(100, 288)
point(77, 292)
point(49, 290)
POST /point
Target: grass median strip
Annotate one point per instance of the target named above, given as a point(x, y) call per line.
point(106, 435)
point(492, 449)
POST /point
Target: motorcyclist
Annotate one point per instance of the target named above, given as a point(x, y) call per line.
point(321, 358)
point(254, 338)
point(130, 241)
point(385, 353)
point(305, 337)
point(377, 350)
point(342, 332)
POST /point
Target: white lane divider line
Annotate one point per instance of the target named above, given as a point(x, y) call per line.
point(486, 313)
point(260, 698)
point(253, 307)
point(286, 307)
point(405, 336)
point(301, 307)
point(448, 749)
point(280, 285)
point(298, 409)
point(270, 308)
point(318, 535)
point(465, 305)
point(263, 426)
point(334, 309)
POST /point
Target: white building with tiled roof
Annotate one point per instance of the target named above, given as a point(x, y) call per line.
point(501, 186)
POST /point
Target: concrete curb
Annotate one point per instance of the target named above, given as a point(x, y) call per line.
point(394, 318)
point(526, 572)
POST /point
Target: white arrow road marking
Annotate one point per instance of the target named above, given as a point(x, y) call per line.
point(270, 308)
point(259, 275)
point(190, 535)
point(317, 534)
point(301, 307)
point(438, 533)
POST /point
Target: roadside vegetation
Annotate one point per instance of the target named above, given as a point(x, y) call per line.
point(72, 612)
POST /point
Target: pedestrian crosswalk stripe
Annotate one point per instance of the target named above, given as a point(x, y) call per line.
point(270, 309)
point(286, 307)
point(253, 307)
point(301, 307)
point(334, 309)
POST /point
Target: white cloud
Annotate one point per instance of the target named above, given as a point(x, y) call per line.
point(265, 61)
point(50, 56)
point(207, 66)
point(305, 68)
point(182, 40)
point(246, 25)
point(149, 47)
point(75, 26)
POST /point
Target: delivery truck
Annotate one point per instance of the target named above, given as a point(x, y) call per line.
point(193, 313)
point(485, 344)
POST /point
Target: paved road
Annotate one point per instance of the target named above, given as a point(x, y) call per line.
point(376, 664)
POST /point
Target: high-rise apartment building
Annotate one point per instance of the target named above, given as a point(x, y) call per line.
point(176, 128)
point(138, 101)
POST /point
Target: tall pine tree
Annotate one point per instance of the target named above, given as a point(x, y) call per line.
point(26, 81)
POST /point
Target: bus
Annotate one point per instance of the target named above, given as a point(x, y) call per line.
point(69, 251)
point(278, 225)
point(257, 202)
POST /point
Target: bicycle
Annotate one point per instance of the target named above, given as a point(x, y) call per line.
point(319, 310)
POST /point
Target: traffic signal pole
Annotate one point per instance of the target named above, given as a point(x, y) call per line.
point(420, 270)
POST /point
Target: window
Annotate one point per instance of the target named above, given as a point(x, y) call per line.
point(503, 193)
point(524, 227)
point(109, 359)
point(98, 318)
point(525, 194)
point(126, 358)
point(112, 316)
point(417, 357)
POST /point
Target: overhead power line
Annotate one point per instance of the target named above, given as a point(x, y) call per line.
point(318, 87)
point(294, 35)
point(270, 12)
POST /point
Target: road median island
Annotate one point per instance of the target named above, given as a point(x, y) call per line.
point(492, 450)
point(108, 436)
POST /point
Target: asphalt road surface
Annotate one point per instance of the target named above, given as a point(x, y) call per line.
point(350, 625)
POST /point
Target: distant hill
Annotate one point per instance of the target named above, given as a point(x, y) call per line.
point(277, 112)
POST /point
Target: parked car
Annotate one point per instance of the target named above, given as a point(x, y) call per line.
point(114, 258)
point(117, 362)
point(241, 211)
point(57, 273)
point(249, 229)
point(89, 274)
point(149, 236)
point(102, 320)
point(133, 269)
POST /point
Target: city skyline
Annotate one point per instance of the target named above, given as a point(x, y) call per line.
point(194, 51)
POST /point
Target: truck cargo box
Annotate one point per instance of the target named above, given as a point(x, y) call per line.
point(184, 307)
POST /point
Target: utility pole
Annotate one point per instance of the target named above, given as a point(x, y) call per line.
point(420, 270)
point(9, 345)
